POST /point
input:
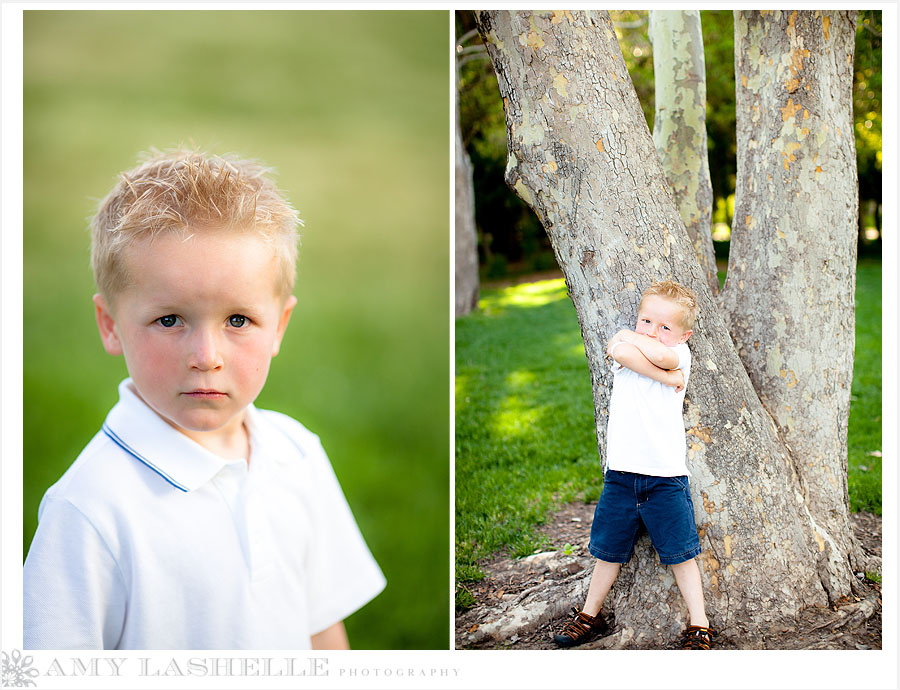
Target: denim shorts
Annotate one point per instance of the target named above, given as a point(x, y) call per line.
point(633, 503)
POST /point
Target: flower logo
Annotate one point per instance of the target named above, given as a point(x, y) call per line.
point(17, 671)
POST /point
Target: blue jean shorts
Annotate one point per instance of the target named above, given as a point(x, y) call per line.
point(634, 503)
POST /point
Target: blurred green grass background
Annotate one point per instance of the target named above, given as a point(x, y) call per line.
point(351, 108)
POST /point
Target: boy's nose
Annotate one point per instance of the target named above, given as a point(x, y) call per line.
point(205, 354)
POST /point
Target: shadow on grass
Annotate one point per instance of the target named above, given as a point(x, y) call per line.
point(525, 439)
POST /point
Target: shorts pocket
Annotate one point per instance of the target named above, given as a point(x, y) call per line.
point(683, 482)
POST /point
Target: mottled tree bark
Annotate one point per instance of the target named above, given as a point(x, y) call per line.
point(581, 155)
point(466, 237)
point(789, 296)
point(679, 125)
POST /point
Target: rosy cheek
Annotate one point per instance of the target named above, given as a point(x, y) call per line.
point(253, 357)
point(156, 354)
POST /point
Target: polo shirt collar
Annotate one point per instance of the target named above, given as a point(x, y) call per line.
point(182, 462)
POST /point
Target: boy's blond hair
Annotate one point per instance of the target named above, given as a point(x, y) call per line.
point(682, 296)
point(188, 191)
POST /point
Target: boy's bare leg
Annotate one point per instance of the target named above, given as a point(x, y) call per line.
point(601, 581)
point(687, 576)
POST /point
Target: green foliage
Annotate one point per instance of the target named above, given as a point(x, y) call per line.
point(721, 121)
point(525, 440)
point(867, 103)
point(356, 122)
point(873, 577)
point(631, 28)
point(497, 266)
point(542, 261)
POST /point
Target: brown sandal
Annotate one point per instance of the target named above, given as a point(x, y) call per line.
point(697, 637)
point(581, 628)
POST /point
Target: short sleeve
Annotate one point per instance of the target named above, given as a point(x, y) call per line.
point(343, 574)
point(73, 592)
point(684, 356)
point(684, 359)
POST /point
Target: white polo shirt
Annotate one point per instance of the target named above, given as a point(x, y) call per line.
point(645, 433)
point(149, 541)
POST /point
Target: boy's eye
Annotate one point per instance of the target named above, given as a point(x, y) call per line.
point(167, 321)
point(237, 321)
point(666, 328)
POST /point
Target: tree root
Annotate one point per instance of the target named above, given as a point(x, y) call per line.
point(523, 602)
point(852, 615)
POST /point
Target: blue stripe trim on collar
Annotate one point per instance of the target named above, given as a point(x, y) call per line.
point(124, 446)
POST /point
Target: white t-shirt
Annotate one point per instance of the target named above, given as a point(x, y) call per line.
point(149, 541)
point(645, 433)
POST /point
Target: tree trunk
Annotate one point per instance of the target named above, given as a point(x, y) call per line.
point(679, 125)
point(790, 290)
point(466, 239)
point(581, 155)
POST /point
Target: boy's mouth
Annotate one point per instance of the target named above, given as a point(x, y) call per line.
point(204, 393)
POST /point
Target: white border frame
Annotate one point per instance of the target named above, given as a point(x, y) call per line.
point(434, 669)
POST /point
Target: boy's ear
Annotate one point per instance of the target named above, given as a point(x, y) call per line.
point(107, 325)
point(289, 304)
point(686, 335)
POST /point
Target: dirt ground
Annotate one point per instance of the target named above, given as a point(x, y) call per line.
point(841, 627)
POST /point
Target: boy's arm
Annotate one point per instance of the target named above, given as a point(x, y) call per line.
point(73, 594)
point(332, 637)
point(661, 355)
point(633, 358)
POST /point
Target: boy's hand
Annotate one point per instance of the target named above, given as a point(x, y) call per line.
point(623, 336)
point(676, 380)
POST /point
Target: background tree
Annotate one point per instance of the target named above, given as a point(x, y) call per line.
point(509, 234)
point(679, 125)
point(718, 50)
point(465, 235)
point(792, 267)
point(581, 156)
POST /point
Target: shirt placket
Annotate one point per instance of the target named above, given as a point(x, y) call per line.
point(257, 530)
point(229, 482)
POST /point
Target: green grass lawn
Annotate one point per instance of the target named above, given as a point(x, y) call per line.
point(351, 108)
point(864, 432)
point(525, 440)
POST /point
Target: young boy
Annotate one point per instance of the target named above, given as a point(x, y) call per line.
point(646, 479)
point(194, 520)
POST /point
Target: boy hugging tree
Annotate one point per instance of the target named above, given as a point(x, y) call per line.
point(194, 520)
point(645, 478)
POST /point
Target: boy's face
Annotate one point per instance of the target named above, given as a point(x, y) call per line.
point(660, 318)
point(198, 325)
